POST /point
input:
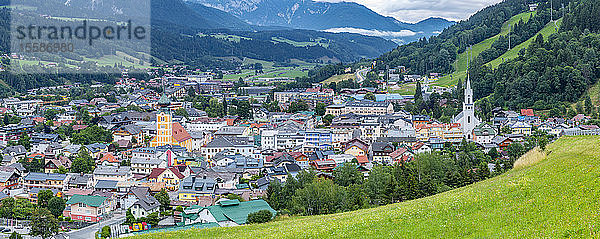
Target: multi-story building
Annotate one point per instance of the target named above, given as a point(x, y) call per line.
point(364, 107)
point(121, 173)
point(88, 208)
point(44, 180)
point(13, 133)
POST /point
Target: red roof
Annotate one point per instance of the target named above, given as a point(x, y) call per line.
point(527, 112)
point(109, 157)
point(362, 159)
point(417, 145)
point(404, 158)
point(156, 172)
point(398, 153)
point(179, 133)
point(176, 172)
point(358, 143)
point(79, 127)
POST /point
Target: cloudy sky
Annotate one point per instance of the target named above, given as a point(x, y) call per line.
point(415, 10)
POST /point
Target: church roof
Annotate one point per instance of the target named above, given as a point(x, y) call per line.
point(164, 100)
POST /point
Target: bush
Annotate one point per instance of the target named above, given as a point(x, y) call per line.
point(261, 216)
point(105, 232)
point(179, 209)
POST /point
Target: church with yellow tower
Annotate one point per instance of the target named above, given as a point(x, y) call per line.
point(167, 132)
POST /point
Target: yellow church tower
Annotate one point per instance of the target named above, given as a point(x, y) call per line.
point(164, 124)
point(167, 132)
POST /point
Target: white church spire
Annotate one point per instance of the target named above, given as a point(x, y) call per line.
point(469, 122)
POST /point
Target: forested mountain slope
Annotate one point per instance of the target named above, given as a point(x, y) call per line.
point(551, 70)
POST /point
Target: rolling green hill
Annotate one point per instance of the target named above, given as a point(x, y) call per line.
point(514, 52)
point(461, 61)
point(545, 196)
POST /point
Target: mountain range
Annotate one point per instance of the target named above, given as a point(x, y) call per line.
point(326, 16)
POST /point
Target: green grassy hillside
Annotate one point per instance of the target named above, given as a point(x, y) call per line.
point(461, 61)
point(514, 52)
point(546, 196)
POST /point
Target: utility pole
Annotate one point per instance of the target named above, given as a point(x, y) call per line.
point(551, 10)
point(509, 31)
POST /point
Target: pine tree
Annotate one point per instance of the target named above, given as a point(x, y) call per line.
point(418, 91)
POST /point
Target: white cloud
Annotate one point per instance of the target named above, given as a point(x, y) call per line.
point(377, 33)
point(416, 10)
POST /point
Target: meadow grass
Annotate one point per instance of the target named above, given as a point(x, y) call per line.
point(338, 78)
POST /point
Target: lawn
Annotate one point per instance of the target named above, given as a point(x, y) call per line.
point(119, 58)
point(461, 62)
point(338, 78)
point(545, 197)
point(403, 89)
point(319, 41)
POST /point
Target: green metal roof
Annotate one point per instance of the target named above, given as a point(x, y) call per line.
point(237, 211)
point(92, 201)
point(229, 203)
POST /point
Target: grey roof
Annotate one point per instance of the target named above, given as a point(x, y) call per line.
point(18, 149)
point(3, 195)
point(73, 148)
point(145, 201)
point(380, 146)
point(130, 128)
point(39, 137)
point(231, 130)
point(37, 190)
point(6, 175)
point(292, 168)
point(198, 184)
point(146, 150)
point(106, 184)
point(152, 161)
point(44, 176)
point(95, 147)
point(78, 179)
point(498, 139)
point(367, 103)
point(112, 170)
point(222, 142)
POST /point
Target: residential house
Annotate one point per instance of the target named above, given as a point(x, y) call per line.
point(380, 152)
point(401, 155)
point(146, 165)
point(119, 173)
point(356, 147)
point(171, 176)
point(484, 133)
point(79, 181)
point(44, 180)
point(193, 187)
point(131, 133)
point(241, 145)
point(88, 208)
point(142, 203)
point(225, 212)
point(520, 127)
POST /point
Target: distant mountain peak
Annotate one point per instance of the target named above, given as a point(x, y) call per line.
point(314, 15)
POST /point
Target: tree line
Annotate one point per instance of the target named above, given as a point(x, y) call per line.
point(428, 174)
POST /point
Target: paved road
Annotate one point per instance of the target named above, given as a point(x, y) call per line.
point(360, 75)
point(88, 232)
